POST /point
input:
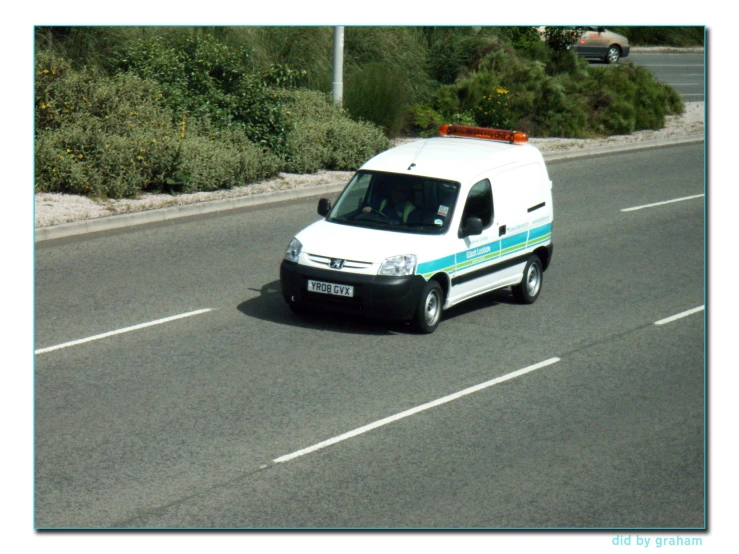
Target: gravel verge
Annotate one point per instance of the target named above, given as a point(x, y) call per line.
point(56, 209)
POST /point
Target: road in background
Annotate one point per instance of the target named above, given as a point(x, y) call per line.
point(683, 71)
point(180, 424)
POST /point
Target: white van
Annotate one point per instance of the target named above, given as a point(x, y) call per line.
point(426, 225)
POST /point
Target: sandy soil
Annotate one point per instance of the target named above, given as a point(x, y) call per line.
point(54, 209)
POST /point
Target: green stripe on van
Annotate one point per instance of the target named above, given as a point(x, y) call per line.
point(492, 250)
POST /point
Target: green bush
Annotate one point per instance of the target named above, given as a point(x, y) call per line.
point(283, 76)
point(557, 96)
point(115, 137)
point(618, 118)
point(555, 111)
point(351, 143)
point(85, 46)
point(400, 50)
point(203, 78)
point(385, 73)
point(559, 39)
point(308, 49)
point(380, 94)
point(454, 52)
point(75, 159)
point(99, 135)
point(206, 164)
point(525, 39)
point(321, 136)
point(186, 109)
point(637, 100)
point(493, 110)
point(424, 120)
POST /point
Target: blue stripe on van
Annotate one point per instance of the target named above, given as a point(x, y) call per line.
point(540, 231)
point(513, 241)
point(485, 252)
point(446, 263)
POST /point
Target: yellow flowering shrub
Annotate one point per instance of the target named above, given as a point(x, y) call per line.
point(493, 109)
point(116, 137)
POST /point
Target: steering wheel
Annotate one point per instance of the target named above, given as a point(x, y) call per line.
point(372, 211)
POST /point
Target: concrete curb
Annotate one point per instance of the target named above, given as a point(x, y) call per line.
point(165, 214)
point(612, 149)
point(675, 49)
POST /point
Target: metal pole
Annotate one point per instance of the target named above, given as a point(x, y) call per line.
point(338, 81)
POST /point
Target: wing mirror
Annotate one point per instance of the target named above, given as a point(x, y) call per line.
point(324, 206)
point(473, 226)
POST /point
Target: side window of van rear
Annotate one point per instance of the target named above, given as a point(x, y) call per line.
point(479, 203)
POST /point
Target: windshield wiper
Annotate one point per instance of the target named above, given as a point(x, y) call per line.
point(371, 224)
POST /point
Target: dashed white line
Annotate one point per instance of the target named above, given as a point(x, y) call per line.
point(662, 203)
point(679, 316)
point(119, 331)
point(415, 410)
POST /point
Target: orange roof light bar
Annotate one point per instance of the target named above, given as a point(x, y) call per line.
point(514, 137)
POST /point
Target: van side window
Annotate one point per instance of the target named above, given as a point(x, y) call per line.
point(480, 203)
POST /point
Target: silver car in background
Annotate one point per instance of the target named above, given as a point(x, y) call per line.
point(597, 43)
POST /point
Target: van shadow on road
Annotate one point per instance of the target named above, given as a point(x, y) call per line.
point(270, 306)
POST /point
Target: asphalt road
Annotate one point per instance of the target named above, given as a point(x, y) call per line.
point(683, 71)
point(185, 423)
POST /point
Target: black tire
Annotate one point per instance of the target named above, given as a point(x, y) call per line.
point(613, 54)
point(428, 313)
point(527, 291)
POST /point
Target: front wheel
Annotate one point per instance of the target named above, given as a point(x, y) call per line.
point(428, 313)
point(613, 54)
point(298, 308)
point(527, 291)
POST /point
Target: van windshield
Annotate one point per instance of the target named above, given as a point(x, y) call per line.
point(403, 203)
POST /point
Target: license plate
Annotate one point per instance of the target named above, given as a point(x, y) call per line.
point(330, 288)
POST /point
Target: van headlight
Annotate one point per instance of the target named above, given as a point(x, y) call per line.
point(293, 250)
point(399, 266)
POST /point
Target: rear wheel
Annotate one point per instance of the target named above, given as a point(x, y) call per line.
point(527, 291)
point(428, 313)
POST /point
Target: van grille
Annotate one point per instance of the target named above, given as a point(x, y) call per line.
point(348, 264)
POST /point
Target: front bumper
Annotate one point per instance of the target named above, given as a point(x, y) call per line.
point(394, 298)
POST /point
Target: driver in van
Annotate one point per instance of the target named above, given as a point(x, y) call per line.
point(398, 207)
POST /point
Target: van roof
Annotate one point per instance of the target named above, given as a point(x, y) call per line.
point(452, 158)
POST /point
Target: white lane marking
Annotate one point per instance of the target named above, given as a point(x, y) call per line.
point(415, 410)
point(680, 315)
point(662, 203)
point(119, 331)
